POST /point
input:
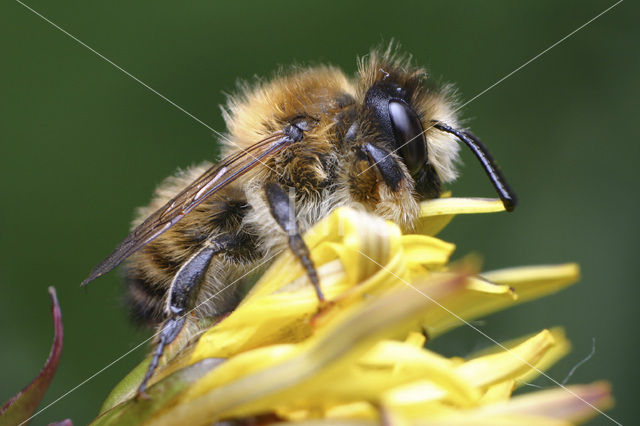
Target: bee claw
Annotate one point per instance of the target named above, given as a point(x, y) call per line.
point(323, 307)
point(142, 395)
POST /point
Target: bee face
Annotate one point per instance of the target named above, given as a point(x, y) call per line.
point(401, 129)
point(411, 135)
point(399, 158)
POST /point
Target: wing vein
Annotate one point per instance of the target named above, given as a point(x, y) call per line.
point(211, 181)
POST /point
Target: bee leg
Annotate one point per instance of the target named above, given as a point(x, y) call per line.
point(283, 211)
point(386, 164)
point(182, 295)
point(170, 329)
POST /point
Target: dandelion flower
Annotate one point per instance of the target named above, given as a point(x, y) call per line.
point(363, 359)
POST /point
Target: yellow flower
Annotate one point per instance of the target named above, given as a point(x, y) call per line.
point(363, 358)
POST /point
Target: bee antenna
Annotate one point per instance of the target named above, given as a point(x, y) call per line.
point(481, 152)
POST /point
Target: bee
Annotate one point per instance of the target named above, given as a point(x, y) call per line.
point(297, 147)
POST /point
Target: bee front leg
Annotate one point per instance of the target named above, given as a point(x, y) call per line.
point(283, 211)
point(182, 296)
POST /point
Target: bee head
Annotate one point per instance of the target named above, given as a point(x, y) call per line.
point(403, 130)
point(389, 105)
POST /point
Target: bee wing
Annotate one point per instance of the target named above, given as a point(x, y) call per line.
point(211, 181)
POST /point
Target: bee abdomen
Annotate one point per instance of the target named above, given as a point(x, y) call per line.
point(145, 300)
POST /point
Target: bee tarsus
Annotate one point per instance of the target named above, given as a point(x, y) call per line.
point(170, 330)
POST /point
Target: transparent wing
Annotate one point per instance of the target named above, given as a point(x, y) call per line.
point(211, 181)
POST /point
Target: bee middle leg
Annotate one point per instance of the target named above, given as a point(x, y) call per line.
point(282, 210)
point(181, 299)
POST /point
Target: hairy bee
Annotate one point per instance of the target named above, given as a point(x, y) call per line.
point(383, 141)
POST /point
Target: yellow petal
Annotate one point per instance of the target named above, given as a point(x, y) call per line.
point(425, 250)
point(355, 410)
point(436, 214)
point(499, 289)
point(357, 232)
point(398, 363)
point(473, 419)
point(278, 308)
point(477, 373)
point(561, 347)
point(417, 340)
point(301, 371)
point(498, 392)
point(574, 403)
point(477, 299)
point(508, 364)
point(531, 282)
point(279, 317)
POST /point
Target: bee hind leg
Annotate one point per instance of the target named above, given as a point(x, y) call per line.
point(283, 211)
point(181, 300)
point(170, 330)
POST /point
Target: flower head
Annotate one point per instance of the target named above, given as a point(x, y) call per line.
point(362, 358)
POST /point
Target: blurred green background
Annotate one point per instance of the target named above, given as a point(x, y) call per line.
point(83, 144)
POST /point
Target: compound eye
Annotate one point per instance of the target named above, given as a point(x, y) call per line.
point(409, 136)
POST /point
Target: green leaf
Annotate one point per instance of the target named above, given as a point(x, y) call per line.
point(136, 411)
point(127, 387)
